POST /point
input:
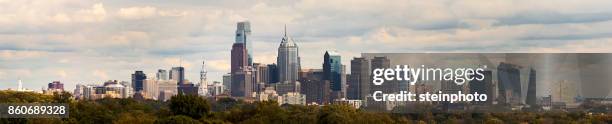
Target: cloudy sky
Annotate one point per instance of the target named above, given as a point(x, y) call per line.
point(82, 41)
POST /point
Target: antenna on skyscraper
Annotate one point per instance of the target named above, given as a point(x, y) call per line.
point(285, 30)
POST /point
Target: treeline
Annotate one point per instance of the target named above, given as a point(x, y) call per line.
point(186, 109)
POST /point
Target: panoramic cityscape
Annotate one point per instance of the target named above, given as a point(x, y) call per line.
point(305, 61)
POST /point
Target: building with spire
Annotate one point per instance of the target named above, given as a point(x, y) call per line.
point(203, 86)
point(243, 35)
point(288, 60)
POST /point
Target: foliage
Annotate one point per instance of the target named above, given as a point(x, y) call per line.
point(186, 109)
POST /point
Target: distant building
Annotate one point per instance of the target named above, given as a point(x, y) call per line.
point(227, 81)
point(178, 74)
point(138, 80)
point(238, 57)
point(509, 79)
point(315, 89)
point(354, 103)
point(288, 60)
point(333, 72)
point(243, 36)
point(162, 74)
point(109, 90)
point(242, 82)
point(531, 89)
point(217, 88)
point(294, 98)
point(151, 89)
point(484, 86)
point(261, 73)
point(359, 81)
point(268, 94)
point(56, 86)
point(272, 73)
point(166, 89)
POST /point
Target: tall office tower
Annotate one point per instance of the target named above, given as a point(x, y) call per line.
point(315, 89)
point(238, 57)
point(288, 60)
point(151, 89)
point(203, 86)
point(178, 74)
point(359, 86)
point(509, 78)
point(261, 73)
point(531, 89)
point(138, 81)
point(243, 35)
point(485, 86)
point(383, 62)
point(227, 81)
point(242, 82)
point(55, 86)
point(332, 71)
point(162, 74)
point(272, 73)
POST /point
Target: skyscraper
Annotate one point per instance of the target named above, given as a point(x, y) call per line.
point(238, 57)
point(332, 69)
point(485, 86)
point(383, 62)
point(359, 84)
point(162, 74)
point(242, 82)
point(509, 78)
point(178, 74)
point(138, 81)
point(243, 35)
point(227, 81)
point(531, 88)
point(272, 73)
point(288, 60)
point(333, 72)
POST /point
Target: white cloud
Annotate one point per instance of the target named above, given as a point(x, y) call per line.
point(137, 12)
point(44, 40)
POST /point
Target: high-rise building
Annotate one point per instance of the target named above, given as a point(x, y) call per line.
point(227, 81)
point(531, 89)
point(332, 71)
point(509, 78)
point(178, 74)
point(315, 89)
point(261, 73)
point(383, 62)
point(272, 73)
point(56, 86)
point(238, 57)
point(243, 35)
point(162, 74)
point(150, 90)
point(242, 82)
point(138, 81)
point(166, 89)
point(288, 60)
point(484, 86)
point(359, 82)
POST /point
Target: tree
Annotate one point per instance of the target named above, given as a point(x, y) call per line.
point(179, 119)
point(190, 105)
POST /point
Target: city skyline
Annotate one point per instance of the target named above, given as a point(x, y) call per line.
point(46, 41)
